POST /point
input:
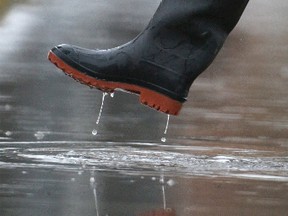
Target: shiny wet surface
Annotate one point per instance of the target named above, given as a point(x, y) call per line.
point(226, 154)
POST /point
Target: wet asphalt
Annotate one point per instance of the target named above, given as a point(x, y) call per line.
point(226, 153)
point(241, 96)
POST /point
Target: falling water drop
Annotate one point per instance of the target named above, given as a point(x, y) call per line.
point(80, 172)
point(92, 180)
point(8, 133)
point(171, 183)
point(24, 172)
point(101, 108)
point(7, 107)
point(39, 135)
point(95, 131)
point(164, 139)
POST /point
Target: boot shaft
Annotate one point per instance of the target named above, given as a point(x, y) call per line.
point(188, 34)
point(225, 13)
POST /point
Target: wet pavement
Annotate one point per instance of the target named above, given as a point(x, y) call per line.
point(226, 154)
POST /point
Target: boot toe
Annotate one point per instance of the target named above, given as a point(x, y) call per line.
point(69, 51)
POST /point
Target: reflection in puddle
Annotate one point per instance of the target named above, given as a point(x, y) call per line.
point(162, 182)
point(138, 177)
point(106, 193)
point(227, 154)
point(93, 184)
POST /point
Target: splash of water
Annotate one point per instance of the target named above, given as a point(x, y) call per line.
point(94, 132)
point(164, 139)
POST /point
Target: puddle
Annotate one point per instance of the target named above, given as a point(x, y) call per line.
point(225, 154)
point(144, 157)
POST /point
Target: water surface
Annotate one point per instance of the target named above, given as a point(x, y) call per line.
point(226, 154)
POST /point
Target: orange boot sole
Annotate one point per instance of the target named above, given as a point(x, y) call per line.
point(148, 97)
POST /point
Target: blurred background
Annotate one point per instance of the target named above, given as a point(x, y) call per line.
point(226, 153)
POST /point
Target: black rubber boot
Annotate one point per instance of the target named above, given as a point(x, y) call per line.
point(160, 64)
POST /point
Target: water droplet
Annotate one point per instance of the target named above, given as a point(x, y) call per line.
point(39, 135)
point(80, 172)
point(101, 108)
point(92, 180)
point(24, 172)
point(162, 180)
point(153, 178)
point(94, 132)
point(73, 179)
point(112, 94)
point(8, 133)
point(171, 182)
point(7, 107)
point(83, 163)
point(164, 139)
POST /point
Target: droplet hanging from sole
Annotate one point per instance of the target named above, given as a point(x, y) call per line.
point(164, 139)
point(95, 131)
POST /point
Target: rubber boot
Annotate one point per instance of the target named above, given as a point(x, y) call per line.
point(161, 63)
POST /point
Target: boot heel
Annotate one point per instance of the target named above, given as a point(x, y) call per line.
point(160, 102)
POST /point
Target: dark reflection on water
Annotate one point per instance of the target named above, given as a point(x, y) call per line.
point(113, 178)
point(35, 191)
point(226, 154)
